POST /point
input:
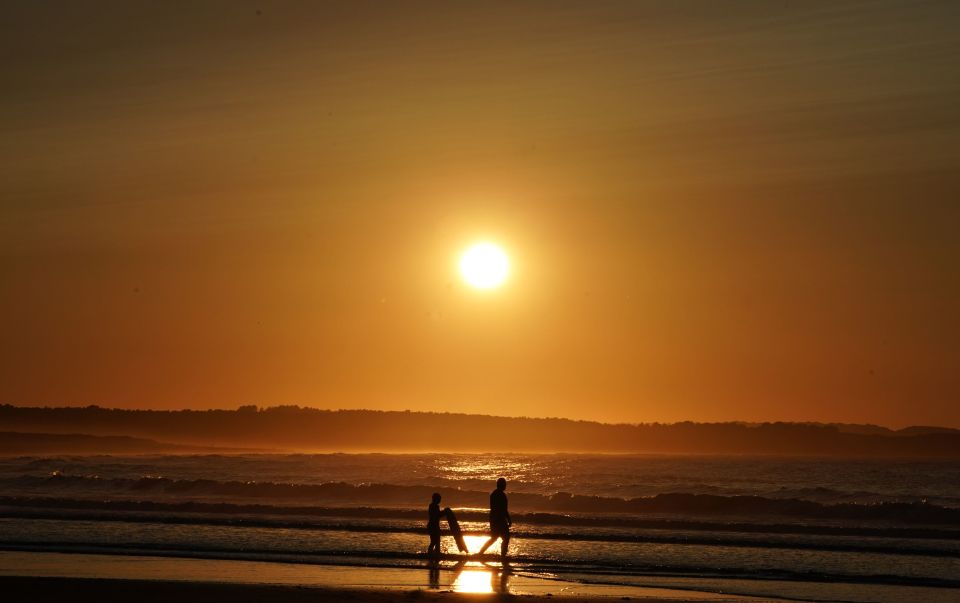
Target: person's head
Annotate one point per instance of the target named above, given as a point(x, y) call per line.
point(501, 484)
point(436, 498)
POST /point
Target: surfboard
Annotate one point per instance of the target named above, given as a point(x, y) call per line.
point(455, 530)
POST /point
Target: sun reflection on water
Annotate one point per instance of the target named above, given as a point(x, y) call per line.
point(479, 578)
point(485, 468)
point(474, 580)
point(474, 542)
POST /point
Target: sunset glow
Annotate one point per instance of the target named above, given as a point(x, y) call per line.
point(529, 210)
point(480, 300)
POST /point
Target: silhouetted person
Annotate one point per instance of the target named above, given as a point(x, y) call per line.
point(499, 519)
point(433, 525)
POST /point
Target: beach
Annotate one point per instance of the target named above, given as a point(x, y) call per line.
point(106, 578)
point(108, 591)
point(45, 576)
point(654, 526)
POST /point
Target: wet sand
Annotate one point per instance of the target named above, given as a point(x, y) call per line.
point(82, 590)
point(69, 578)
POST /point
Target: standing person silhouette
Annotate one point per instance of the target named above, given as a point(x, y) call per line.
point(500, 521)
point(433, 525)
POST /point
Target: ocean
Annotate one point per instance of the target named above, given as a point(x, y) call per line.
point(826, 528)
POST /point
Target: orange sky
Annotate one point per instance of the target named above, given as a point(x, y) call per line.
point(715, 211)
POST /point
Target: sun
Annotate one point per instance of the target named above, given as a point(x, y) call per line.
point(484, 266)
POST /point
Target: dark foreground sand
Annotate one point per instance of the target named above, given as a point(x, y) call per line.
point(107, 577)
point(83, 590)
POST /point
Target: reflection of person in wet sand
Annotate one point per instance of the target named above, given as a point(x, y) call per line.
point(500, 578)
point(433, 570)
point(499, 519)
point(433, 526)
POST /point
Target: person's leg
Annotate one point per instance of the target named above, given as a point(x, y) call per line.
point(495, 532)
point(486, 545)
point(505, 544)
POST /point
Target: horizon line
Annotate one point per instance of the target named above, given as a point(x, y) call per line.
point(258, 409)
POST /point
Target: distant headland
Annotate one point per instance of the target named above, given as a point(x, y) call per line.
point(294, 428)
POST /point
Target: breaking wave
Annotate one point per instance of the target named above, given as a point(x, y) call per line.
point(273, 497)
